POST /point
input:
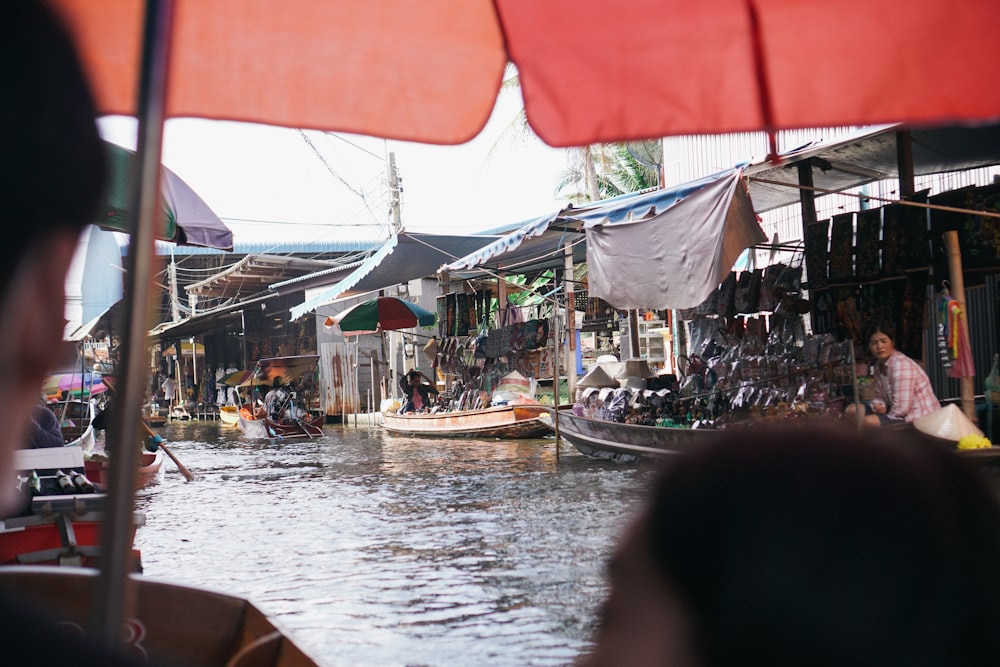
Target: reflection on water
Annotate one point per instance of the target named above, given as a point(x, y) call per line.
point(373, 549)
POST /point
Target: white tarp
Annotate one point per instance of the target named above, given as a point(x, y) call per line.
point(676, 257)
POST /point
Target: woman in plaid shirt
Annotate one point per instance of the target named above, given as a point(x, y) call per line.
point(903, 391)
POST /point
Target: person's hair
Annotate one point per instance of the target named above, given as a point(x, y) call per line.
point(821, 548)
point(53, 170)
point(880, 326)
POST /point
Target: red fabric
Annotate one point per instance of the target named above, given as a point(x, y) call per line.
point(591, 70)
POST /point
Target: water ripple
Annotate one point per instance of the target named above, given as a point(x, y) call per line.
point(375, 550)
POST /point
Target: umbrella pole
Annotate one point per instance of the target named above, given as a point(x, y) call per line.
point(115, 560)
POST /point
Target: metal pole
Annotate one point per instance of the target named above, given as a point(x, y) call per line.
point(115, 560)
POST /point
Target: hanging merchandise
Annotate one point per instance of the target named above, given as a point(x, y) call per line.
point(992, 383)
point(953, 338)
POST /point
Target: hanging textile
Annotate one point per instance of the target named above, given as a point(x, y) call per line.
point(893, 244)
point(917, 242)
point(817, 246)
point(953, 339)
point(866, 255)
point(841, 267)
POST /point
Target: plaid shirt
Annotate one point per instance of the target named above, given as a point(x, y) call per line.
point(904, 387)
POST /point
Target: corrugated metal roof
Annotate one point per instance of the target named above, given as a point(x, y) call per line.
point(276, 247)
point(253, 274)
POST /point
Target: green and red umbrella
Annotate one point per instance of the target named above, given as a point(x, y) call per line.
point(384, 313)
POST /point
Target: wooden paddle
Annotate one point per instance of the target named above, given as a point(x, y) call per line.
point(180, 466)
point(161, 444)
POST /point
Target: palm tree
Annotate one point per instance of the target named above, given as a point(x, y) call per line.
point(616, 171)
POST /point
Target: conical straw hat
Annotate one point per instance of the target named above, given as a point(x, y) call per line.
point(597, 377)
point(636, 368)
point(948, 423)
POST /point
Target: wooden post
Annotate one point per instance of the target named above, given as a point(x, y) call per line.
point(807, 197)
point(570, 319)
point(966, 387)
point(904, 162)
point(555, 376)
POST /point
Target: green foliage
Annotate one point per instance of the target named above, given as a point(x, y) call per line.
point(617, 172)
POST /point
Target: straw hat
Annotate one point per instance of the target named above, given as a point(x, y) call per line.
point(947, 423)
point(636, 368)
point(597, 377)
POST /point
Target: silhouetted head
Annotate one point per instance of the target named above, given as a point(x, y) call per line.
point(819, 547)
point(52, 177)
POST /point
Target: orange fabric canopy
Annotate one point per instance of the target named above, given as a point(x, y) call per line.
point(591, 70)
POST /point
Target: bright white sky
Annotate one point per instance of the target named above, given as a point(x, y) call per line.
point(248, 172)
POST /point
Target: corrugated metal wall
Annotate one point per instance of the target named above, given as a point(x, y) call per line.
point(339, 379)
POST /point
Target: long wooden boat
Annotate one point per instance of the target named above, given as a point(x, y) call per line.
point(170, 624)
point(504, 422)
point(149, 473)
point(630, 443)
point(56, 528)
point(287, 370)
point(308, 426)
point(627, 443)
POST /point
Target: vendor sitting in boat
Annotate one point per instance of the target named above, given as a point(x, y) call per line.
point(276, 400)
point(416, 391)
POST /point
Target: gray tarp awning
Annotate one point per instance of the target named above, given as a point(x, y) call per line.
point(675, 257)
point(404, 257)
point(540, 243)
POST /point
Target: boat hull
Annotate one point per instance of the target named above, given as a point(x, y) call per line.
point(150, 470)
point(172, 624)
point(75, 423)
point(503, 422)
point(229, 416)
point(602, 439)
point(306, 427)
point(60, 530)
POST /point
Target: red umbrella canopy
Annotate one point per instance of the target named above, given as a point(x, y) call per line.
point(383, 313)
point(590, 70)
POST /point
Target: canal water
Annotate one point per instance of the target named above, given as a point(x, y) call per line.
point(374, 549)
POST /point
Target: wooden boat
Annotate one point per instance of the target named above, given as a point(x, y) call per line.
point(627, 443)
point(307, 426)
point(301, 424)
point(56, 528)
point(150, 470)
point(76, 423)
point(503, 422)
point(175, 625)
point(229, 416)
